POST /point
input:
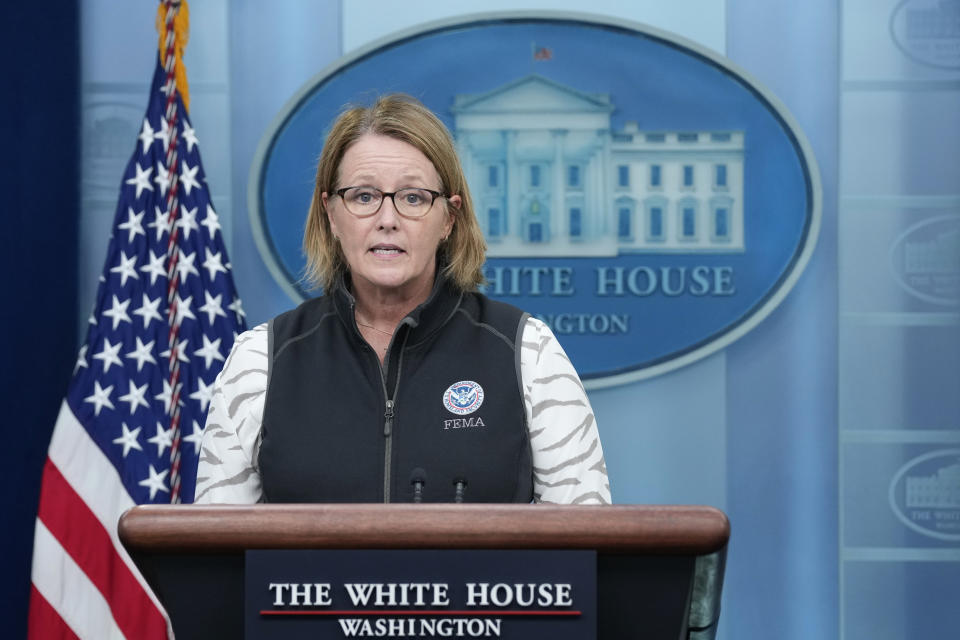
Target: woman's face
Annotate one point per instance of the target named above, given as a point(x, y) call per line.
point(386, 252)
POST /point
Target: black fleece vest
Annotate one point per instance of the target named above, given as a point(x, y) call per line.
point(338, 427)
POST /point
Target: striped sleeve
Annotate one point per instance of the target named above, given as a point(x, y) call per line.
point(568, 464)
point(227, 470)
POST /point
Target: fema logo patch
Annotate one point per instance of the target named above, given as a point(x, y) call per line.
point(463, 397)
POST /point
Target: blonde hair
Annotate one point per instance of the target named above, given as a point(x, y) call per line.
point(402, 117)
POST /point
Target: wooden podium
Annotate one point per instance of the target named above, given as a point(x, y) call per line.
point(659, 568)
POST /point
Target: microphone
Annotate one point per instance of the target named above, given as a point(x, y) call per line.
point(460, 484)
point(418, 478)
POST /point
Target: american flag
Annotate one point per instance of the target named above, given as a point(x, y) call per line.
point(129, 429)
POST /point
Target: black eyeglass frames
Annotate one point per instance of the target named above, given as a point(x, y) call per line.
point(410, 202)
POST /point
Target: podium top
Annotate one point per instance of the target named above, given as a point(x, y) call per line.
point(634, 529)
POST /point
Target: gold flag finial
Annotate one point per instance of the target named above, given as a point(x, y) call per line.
point(173, 25)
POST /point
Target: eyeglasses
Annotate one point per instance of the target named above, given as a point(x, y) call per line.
point(411, 202)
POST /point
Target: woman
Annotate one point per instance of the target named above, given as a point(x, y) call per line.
point(401, 379)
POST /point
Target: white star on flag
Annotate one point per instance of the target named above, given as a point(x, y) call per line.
point(156, 267)
point(155, 481)
point(118, 312)
point(126, 268)
point(188, 176)
point(179, 350)
point(166, 396)
point(100, 398)
point(109, 355)
point(237, 307)
point(213, 263)
point(82, 357)
point(163, 439)
point(189, 136)
point(188, 221)
point(195, 438)
point(204, 394)
point(210, 351)
point(183, 308)
point(213, 306)
point(185, 265)
point(129, 439)
point(146, 136)
point(143, 353)
point(211, 222)
point(142, 180)
point(162, 179)
point(133, 225)
point(161, 222)
point(163, 134)
point(135, 397)
point(149, 311)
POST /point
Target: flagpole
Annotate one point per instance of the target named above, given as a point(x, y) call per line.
point(169, 62)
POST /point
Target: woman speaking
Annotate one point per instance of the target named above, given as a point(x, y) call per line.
point(401, 382)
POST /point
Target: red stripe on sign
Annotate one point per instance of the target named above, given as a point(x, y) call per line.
point(43, 621)
point(386, 613)
point(84, 538)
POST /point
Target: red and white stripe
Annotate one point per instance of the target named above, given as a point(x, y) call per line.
point(173, 280)
point(84, 583)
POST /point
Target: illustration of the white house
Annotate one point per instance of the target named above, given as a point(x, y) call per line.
point(938, 491)
point(550, 177)
point(938, 256)
point(935, 22)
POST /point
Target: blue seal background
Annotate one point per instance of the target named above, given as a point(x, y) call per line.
point(661, 84)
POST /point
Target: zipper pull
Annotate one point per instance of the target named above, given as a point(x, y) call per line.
point(388, 419)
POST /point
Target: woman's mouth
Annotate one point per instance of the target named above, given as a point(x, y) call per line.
point(386, 250)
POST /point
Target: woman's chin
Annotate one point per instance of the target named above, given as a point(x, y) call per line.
point(390, 281)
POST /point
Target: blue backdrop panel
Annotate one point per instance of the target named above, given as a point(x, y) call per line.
point(40, 183)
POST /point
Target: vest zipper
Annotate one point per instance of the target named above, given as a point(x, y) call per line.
point(388, 415)
point(388, 412)
point(387, 424)
point(388, 448)
point(388, 403)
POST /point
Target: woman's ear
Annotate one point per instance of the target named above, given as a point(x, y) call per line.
point(326, 211)
point(455, 201)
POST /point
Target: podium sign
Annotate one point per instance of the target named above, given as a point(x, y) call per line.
point(333, 594)
point(659, 569)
